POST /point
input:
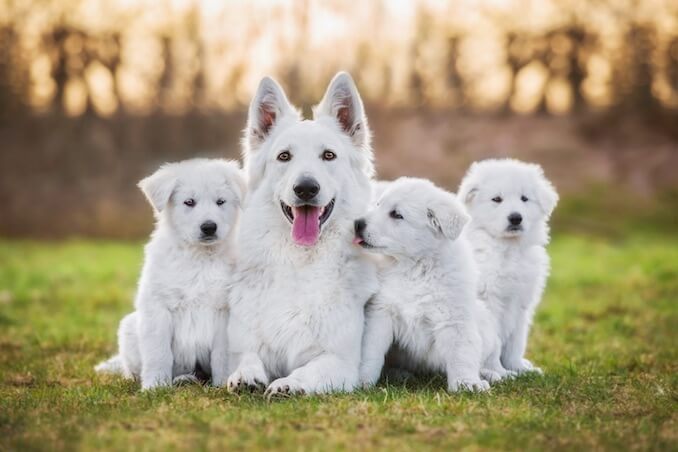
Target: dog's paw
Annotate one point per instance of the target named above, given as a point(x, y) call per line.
point(243, 381)
point(283, 387)
point(490, 376)
point(149, 384)
point(493, 376)
point(468, 385)
point(525, 366)
point(529, 367)
point(185, 380)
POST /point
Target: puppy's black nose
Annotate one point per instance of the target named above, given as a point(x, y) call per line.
point(208, 227)
point(306, 188)
point(360, 225)
point(515, 218)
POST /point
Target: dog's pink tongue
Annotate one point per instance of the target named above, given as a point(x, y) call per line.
point(306, 225)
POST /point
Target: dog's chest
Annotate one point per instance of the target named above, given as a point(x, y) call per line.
point(416, 308)
point(293, 303)
point(507, 282)
point(193, 287)
point(292, 308)
point(196, 326)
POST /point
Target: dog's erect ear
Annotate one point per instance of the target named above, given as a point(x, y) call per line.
point(547, 197)
point(343, 103)
point(448, 216)
point(159, 186)
point(269, 106)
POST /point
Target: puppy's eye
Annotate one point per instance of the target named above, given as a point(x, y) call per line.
point(523, 198)
point(284, 156)
point(190, 202)
point(497, 199)
point(395, 215)
point(220, 201)
point(329, 155)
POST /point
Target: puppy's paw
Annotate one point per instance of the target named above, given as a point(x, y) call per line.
point(491, 376)
point(525, 366)
point(244, 380)
point(476, 385)
point(283, 387)
point(185, 380)
point(151, 383)
point(511, 374)
point(496, 375)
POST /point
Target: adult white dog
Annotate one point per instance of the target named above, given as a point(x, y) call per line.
point(297, 308)
point(181, 313)
point(510, 203)
point(426, 307)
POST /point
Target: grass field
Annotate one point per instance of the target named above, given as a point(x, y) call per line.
point(606, 336)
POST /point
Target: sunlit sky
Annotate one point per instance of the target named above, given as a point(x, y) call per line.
point(244, 40)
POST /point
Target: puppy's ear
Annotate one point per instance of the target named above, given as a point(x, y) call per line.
point(547, 197)
point(240, 185)
point(468, 189)
point(159, 186)
point(343, 103)
point(470, 195)
point(448, 216)
point(268, 107)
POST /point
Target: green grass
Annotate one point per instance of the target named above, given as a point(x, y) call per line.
point(606, 336)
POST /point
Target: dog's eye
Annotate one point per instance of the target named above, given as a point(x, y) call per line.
point(329, 155)
point(497, 199)
point(523, 198)
point(220, 201)
point(395, 215)
point(284, 156)
point(190, 202)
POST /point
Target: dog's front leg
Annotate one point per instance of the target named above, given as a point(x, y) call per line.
point(219, 355)
point(377, 338)
point(461, 349)
point(325, 373)
point(155, 344)
point(245, 365)
point(492, 371)
point(513, 350)
point(250, 374)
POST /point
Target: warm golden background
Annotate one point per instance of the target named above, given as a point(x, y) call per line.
point(94, 94)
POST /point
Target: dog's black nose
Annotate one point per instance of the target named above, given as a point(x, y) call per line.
point(515, 218)
point(360, 225)
point(306, 188)
point(208, 227)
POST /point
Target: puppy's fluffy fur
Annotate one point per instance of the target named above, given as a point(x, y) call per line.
point(297, 308)
point(510, 203)
point(181, 312)
point(427, 306)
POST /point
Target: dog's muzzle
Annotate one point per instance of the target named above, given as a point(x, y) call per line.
point(359, 226)
point(515, 222)
point(307, 221)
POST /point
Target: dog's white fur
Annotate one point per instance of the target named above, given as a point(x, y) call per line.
point(181, 304)
point(513, 265)
point(427, 307)
point(297, 311)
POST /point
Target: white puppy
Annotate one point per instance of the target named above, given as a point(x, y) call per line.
point(179, 326)
point(510, 203)
point(297, 311)
point(427, 306)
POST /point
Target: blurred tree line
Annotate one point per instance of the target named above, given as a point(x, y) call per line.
point(94, 94)
point(642, 67)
